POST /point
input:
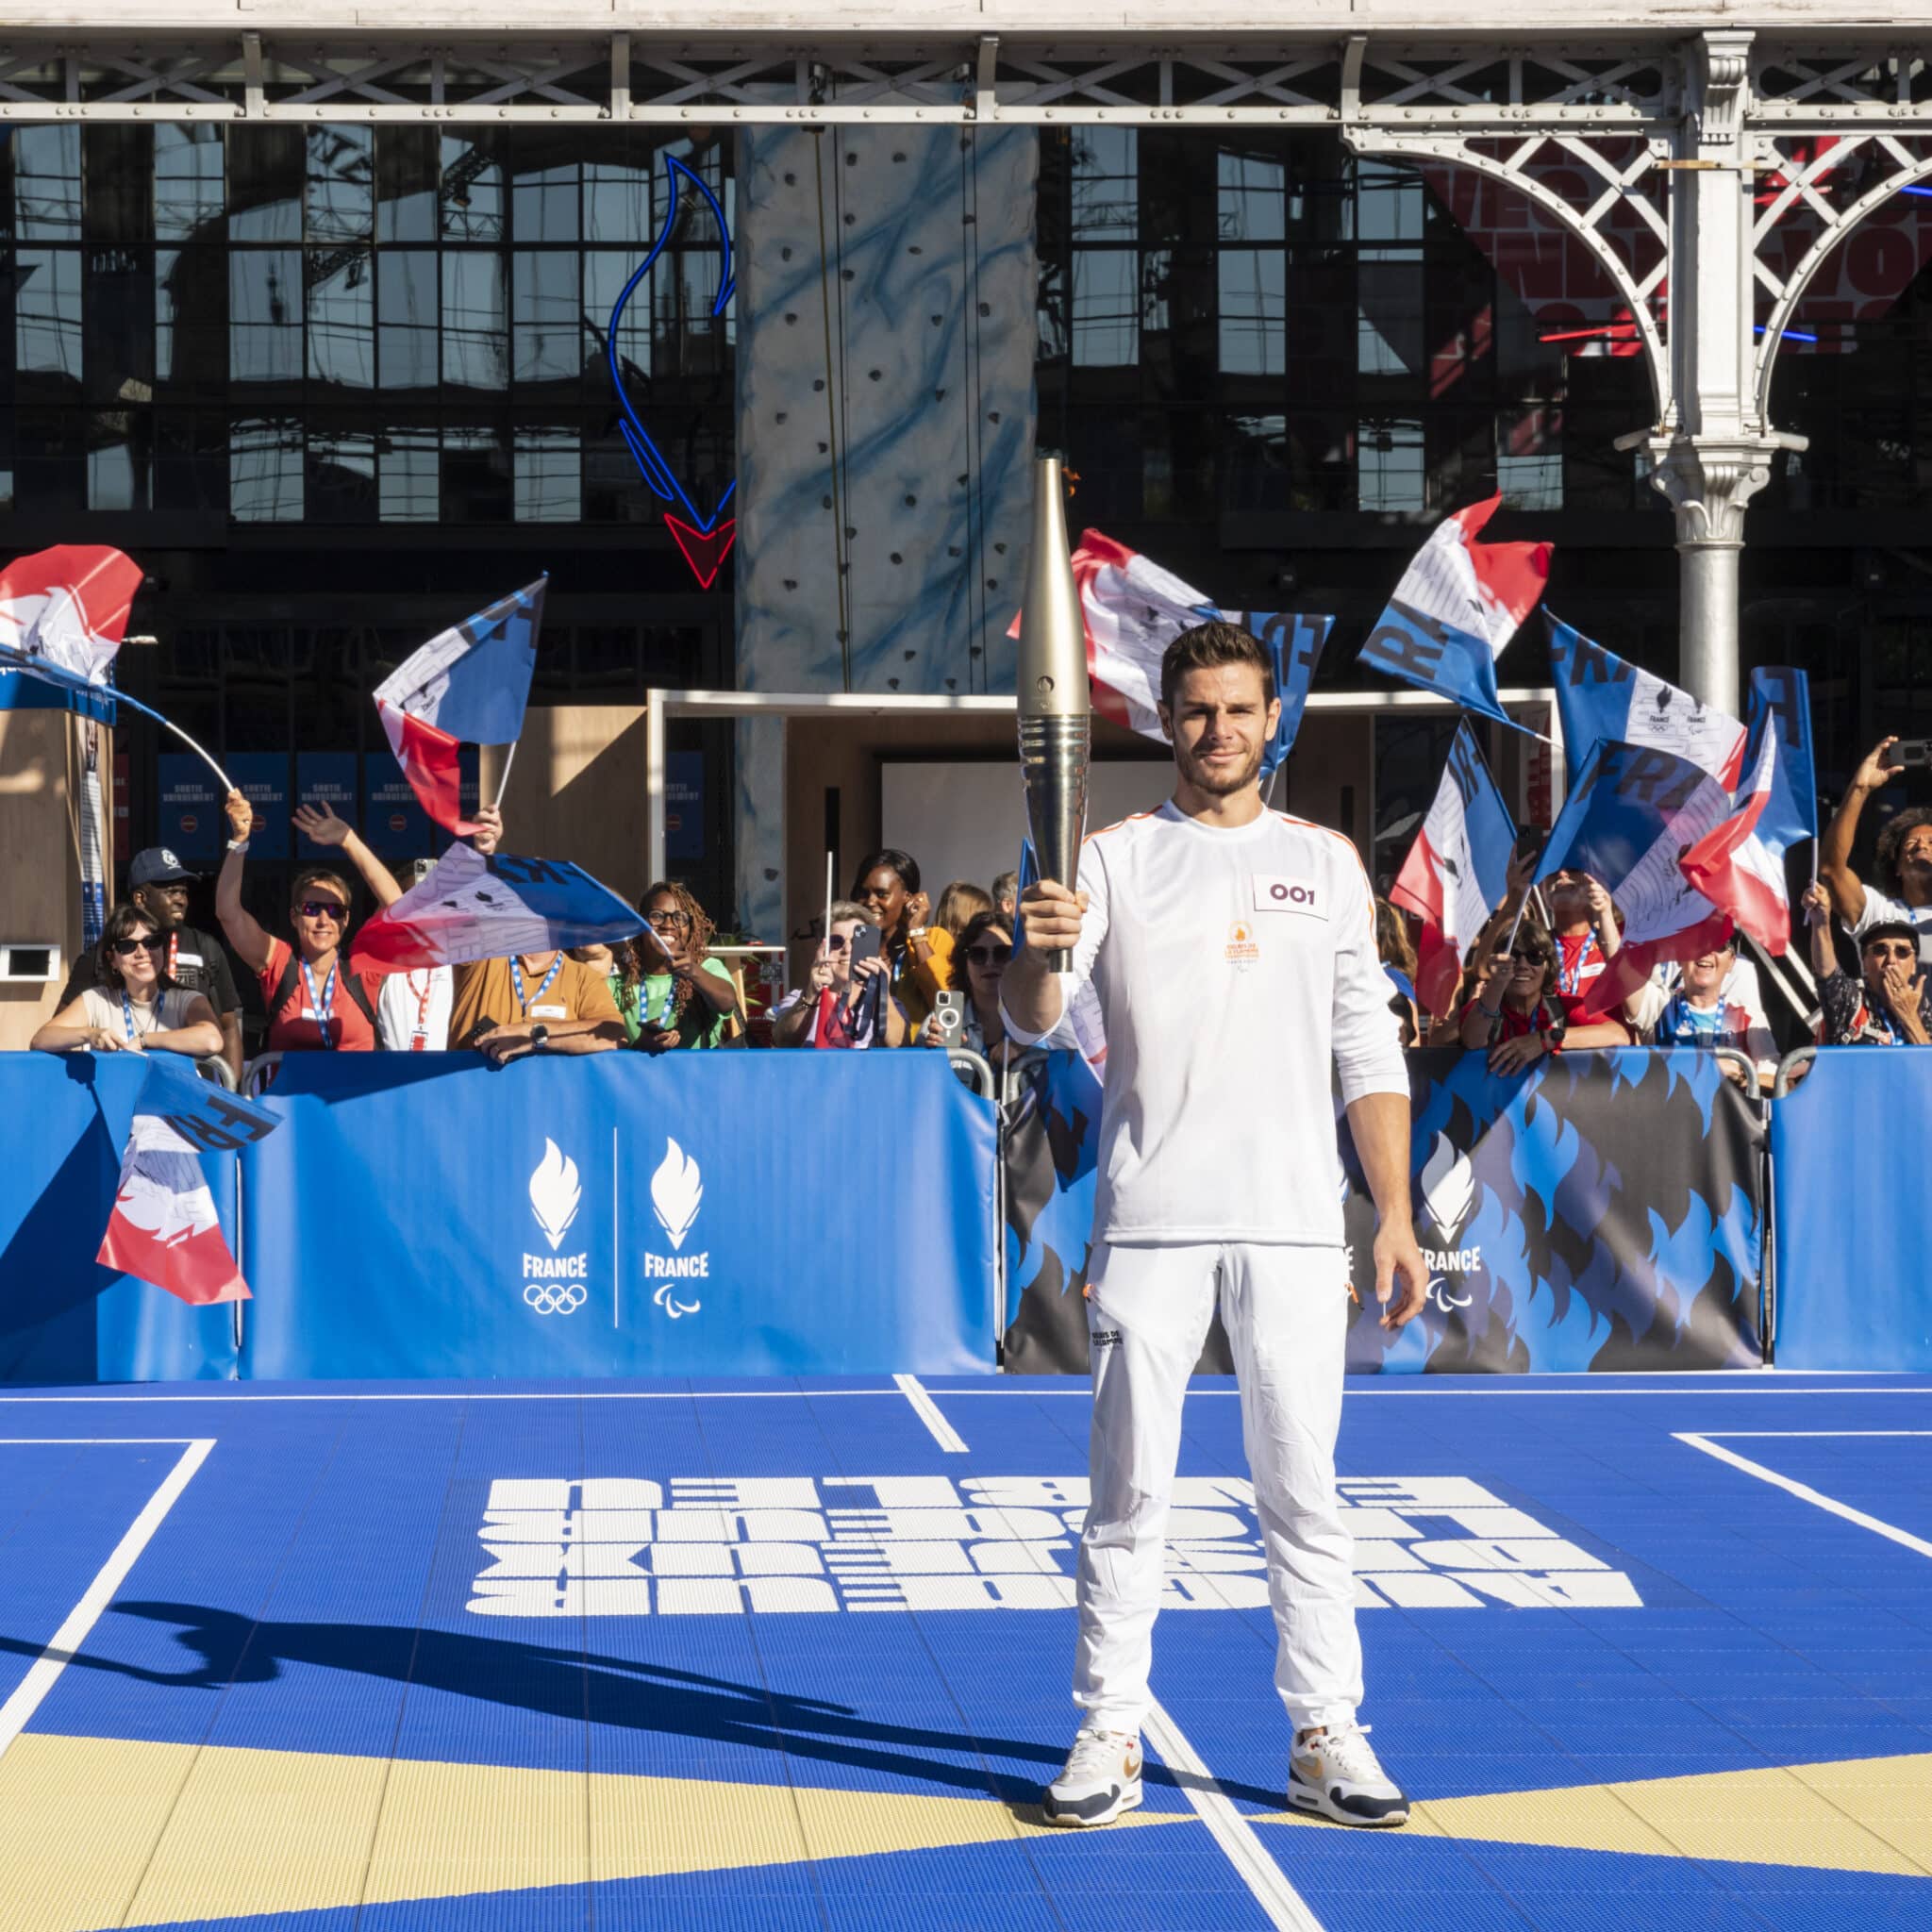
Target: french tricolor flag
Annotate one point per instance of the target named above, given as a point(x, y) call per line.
point(1457, 869)
point(68, 606)
point(1458, 604)
point(163, 1227)
point(468, 685)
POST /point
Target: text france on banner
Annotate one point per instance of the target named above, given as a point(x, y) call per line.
point(478, 907)
point(68, 608)
point(468, 685)
point(163, 1228)
point(1458, 605)
point(1632, 814)
point(1458, 868)
point(1601, 697)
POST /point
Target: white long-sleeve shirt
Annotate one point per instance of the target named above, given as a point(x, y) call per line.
point(1232, 966)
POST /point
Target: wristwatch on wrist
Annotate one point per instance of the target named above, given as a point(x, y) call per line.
point(540, 1037)
point(238, 845)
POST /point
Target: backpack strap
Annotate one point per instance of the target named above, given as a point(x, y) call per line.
point(351, 983)
point(359, 992)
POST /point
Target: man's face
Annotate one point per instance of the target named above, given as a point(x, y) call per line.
point(1880, 954)
point(1221, 724)
point(882, 893)
point(167, 906)
point(1704, 974)
point(1915, 854)
point(840, 952)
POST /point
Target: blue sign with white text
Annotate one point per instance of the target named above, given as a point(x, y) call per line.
point(684, 804)
point(327, 777)
point(262, 778)
point(190, 820)
point(395, 825)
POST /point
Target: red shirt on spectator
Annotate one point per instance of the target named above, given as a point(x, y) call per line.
point(294, 1027)
point(1580, 962)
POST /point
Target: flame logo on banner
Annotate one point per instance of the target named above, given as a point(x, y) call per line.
point(1448, 1187)
point(676, 1189)
point(555, 1195)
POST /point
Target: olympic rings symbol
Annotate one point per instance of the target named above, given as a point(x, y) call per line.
point(566, 1299)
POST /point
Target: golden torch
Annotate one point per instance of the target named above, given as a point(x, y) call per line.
point(1055, 715)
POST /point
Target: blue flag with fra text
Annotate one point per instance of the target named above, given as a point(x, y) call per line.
point(1294, 639)
point(1781, 704)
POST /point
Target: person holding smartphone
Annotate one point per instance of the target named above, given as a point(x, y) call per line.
point(1903, 855)
point(846, 1000)
point(685, 998)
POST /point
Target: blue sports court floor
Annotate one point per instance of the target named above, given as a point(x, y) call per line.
point(1648, 1651)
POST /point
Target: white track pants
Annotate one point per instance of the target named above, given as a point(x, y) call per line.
point(1286, 1313)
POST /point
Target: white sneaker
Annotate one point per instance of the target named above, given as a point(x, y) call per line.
point(1335, 1772)
point(1101, 1780)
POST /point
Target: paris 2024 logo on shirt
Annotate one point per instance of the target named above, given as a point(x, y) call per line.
point(554, 1283)
point(678, 1191)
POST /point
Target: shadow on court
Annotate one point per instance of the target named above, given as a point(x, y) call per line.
point(620, 1691)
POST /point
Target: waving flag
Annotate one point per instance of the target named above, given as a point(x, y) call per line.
point(1458, 868)
point(1632, 815)
point(465, 685)
point(68, 606)
point(1600, 696)
point(478, 907)
point(163, 1228)
point(1741, 866)
point(1458, 604)
point(1294, 641)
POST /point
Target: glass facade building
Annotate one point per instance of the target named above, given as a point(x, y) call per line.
point(337, 385)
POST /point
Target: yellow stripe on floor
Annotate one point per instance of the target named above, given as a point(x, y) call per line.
point(1867, 1814)
point(98, 1831)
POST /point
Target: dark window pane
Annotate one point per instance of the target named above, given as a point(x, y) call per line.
point(48, 330)
point(1390, 464)
point(265, 470)
point(119, 325)
point(476, 332)
point(191, 471)
point(50, 467)
point(341, 316)
point(265, 172)
point(604, 276)
point(191, 321)
point(617, 194)
point(1106, 175)
point(190, 182)
point(544, 192)
point(472, 187)
point(1252, 194)
point(119, 160)
point(120, 458)
point(550, 336)
point(255, 688)
point(1254, 305)
point(407, 164)
point(46, 182)
point(1107, 308)
point(544, 467)
point(476, 474)
point(340, 471)
point(340, 187)
point(265, 315)
point(409, 466)
point(615, 491)
point(406, 314)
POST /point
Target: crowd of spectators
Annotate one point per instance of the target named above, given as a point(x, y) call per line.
point(895, 969)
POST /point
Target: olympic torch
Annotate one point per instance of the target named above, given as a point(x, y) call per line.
point(1055, 716)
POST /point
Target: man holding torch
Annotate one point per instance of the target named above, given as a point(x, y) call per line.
point(1232, 953)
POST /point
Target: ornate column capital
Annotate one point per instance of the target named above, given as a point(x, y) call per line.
point(1720, 66)
point(1710, 481)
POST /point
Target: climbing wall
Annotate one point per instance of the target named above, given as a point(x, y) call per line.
point(886, 338)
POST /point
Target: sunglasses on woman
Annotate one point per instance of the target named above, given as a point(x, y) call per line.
point(125, 949)
point(324, 908)
point(988, 955)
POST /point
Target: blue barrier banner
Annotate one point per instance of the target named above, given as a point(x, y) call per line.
point(1603, 1211)
point(63, 1122)
point(1854, 1212)
point(732, 1213)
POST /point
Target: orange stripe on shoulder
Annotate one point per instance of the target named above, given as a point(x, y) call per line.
point(1342, 837)
point(1100, 830)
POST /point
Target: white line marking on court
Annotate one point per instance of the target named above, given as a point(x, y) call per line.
point(1805, 1493)
point(1751, 1434)
point(60, 1647)
point(1284, 1906)
point(927, 1410)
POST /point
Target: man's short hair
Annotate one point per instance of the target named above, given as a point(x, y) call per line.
point(1892, 837)
point(319, 875)
point(1208, 645)
point(1006, 887)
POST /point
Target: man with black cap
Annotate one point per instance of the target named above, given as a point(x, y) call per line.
point(157, 882)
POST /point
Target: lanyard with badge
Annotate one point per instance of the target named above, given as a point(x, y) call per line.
point(320, 1010)
point(1569, 979)
point(663, 1020)
point(516, 973)
point(418, 1037)
point(127, 1016)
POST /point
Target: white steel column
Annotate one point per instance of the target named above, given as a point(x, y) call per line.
point(1717, 454)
